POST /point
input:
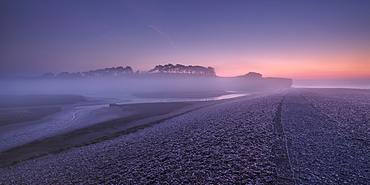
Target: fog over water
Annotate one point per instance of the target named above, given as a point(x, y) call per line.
point(161, 85)
point(80, 114)
point(104, 85)
point(345, 83)
point(98, 93)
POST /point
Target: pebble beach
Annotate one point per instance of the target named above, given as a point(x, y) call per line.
point(293, 136)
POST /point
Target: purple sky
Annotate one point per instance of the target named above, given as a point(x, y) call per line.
point(298, 39)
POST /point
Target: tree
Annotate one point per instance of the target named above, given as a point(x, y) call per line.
point(48, 75)
point(178, 68)
point(63, 75)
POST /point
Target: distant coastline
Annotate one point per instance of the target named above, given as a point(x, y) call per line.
point(162, 79)
point(124, 71)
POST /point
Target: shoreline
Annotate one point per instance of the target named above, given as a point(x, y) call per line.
point(77, 116)
point(141, 115)
point(290, 136)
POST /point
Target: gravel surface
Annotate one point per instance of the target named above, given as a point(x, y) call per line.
point(281, 138)
point(349, 108)
point(321, 150)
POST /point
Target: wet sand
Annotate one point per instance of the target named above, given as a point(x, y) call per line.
point(32, 100)
point(69, 118)
point(27, 114)
point(132, 117)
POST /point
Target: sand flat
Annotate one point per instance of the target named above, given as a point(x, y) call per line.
point(130, 117)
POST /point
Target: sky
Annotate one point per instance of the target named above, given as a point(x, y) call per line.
point(294, 39)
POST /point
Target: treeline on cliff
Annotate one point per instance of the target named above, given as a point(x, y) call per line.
point(121, 71)
point(182, 69)
point(162, 79)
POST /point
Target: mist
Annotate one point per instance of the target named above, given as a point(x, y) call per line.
point(333, 83)
point(166, 85)
point(39, 107)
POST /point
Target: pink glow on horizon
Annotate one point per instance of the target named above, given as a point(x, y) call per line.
point(336, 65)
point(302, 71)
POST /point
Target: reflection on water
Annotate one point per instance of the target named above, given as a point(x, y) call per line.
point(352, 84)
point(157, 100)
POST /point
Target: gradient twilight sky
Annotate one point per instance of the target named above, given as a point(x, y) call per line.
point(296, 39)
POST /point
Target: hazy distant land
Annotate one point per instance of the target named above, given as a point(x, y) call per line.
point(162, 79)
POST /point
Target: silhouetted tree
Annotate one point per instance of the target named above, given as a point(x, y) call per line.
point(118, 71)
point(178, 68)
point(63, 75)
point(253, 75)
point(48, 75)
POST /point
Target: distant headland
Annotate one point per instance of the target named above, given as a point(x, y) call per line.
point(160, 80)
point(183, 77)
point(124, 71)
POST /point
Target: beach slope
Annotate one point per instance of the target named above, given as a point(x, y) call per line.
point(286, 137)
